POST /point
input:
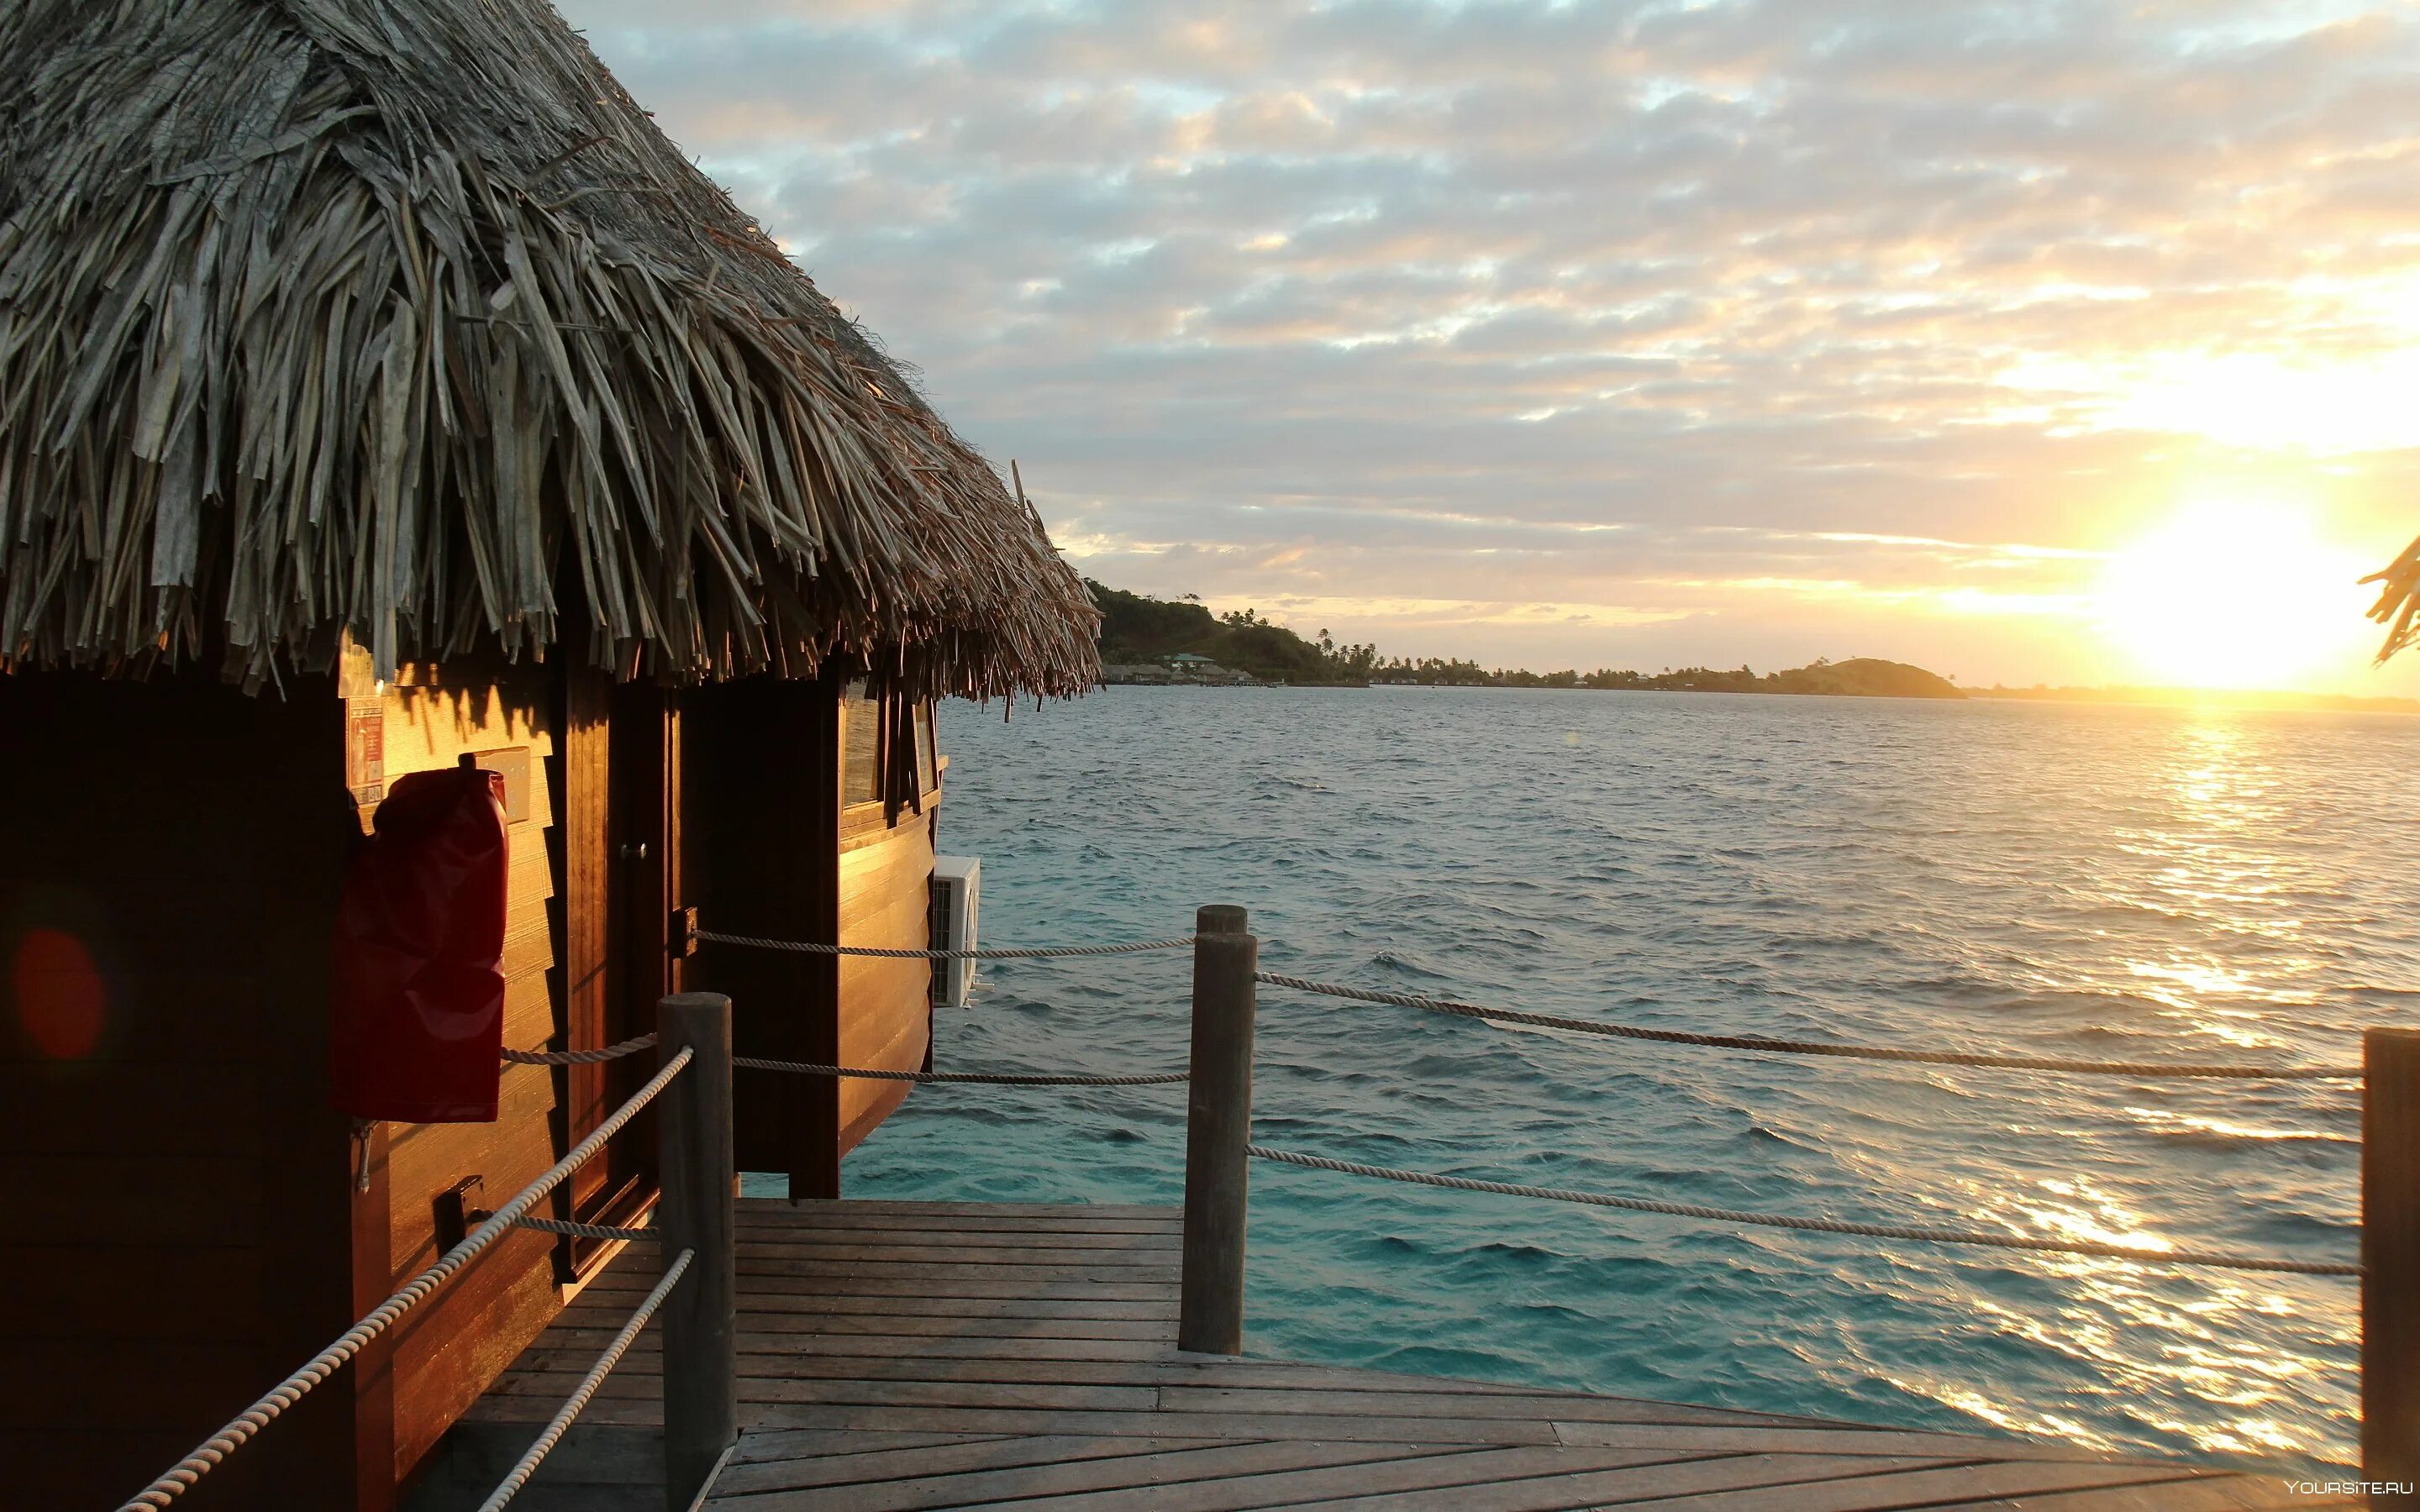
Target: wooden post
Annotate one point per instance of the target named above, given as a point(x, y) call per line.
point(1217, 1126)
point(2390, 1257)
point(701, 1358)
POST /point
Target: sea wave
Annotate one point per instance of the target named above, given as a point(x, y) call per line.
point(2144, 884)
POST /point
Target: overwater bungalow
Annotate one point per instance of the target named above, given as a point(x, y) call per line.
point(381, 393)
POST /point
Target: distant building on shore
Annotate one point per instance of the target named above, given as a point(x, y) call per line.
point(1184, 668)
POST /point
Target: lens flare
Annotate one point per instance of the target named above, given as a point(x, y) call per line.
point(61, 1002)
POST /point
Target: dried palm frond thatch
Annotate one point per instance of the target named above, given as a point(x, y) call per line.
point(398, 317)
point(2399, 601)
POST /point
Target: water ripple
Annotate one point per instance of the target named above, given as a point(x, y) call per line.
point(2037, 878)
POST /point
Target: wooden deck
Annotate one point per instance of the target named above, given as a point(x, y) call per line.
point(911, 1355)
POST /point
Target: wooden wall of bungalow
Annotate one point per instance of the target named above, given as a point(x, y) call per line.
point(183, 1229)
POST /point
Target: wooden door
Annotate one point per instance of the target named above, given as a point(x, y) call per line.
point(763, 817)
point(619, 859)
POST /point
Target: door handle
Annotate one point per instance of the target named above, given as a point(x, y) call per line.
point(634, 850)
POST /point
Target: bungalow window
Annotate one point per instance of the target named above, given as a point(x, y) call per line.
point(861, 770)
point(925, 772)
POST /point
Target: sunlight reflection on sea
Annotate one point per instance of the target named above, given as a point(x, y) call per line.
point(2108, 882)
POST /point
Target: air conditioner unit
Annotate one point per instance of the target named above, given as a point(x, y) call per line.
point(957, 882)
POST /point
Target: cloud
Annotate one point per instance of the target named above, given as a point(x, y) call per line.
point(1618, 320)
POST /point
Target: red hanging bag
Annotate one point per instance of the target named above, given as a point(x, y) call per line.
point(419, 1010)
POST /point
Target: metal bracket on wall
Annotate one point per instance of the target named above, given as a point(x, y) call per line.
point(682, 935)
point(454, 1213)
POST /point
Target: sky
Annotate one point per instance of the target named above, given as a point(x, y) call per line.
point(2067, 343)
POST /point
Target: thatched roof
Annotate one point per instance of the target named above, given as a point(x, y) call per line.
point(399, 317)
point(2399, 601)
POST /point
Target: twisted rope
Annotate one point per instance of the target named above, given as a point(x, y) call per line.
point(573, 1230)
point(1820, 1225)
point(579, 1057)
point(988, 1078)
point(572, 1405)
point(1809, 1048)
point(189, 1470)
point(1036, 953)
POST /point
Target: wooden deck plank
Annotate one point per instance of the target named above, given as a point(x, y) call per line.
point(1079, 1397)
point(1353, 1399)
point(855, 1209)
point(897, 1356)
point(989, 1331)
point(776, 1482)
point(1085, 1264)
point(1098, 1466)
point(901, 1228)
point(814, 1209)
point(838, 1447)
point(1919, 1485)
point(909, 1310)
point(1720, 1476)
point(1268, 1481)
point(770, 1294)
point(864, 1284)
point(1112, 1269)
point(2206, 1493)
point(889, 1243)
point(789, 1251)
point(1270, 1387)
point(958, 1218)
point(1124, 1269)
point(958, 1419)
point(795, 1469)
point(808, 1346)
point(1788, 1439)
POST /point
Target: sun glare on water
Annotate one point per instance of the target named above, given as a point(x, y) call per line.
point(2234, 595)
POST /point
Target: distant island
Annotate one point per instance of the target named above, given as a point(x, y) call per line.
point(1146, 640)
point(1156, 640)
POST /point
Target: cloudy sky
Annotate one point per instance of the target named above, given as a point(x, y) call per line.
point(2065, 342)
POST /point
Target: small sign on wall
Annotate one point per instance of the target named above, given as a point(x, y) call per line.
point(366, 750)
point(364, 700)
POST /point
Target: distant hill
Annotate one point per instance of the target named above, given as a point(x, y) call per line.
point(1866, 677)
point(1135, 627)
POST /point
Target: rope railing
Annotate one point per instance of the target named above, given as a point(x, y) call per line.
point(572, 1405)
point(189, 1470)
point(576, 1230)
point(808, 1068)
point(578, 1057)
point(1814, 1047)
point(1031, 953)
point(1820, 1226)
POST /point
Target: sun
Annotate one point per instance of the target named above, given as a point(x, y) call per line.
point(2233, 594)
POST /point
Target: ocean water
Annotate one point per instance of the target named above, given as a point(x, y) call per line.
point(2104, 882)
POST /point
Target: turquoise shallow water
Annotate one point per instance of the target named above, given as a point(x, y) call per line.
point(2055, 879)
